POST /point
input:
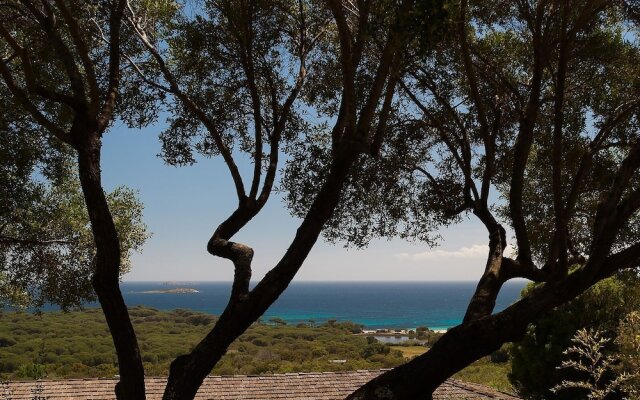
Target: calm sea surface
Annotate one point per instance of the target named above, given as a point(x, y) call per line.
point(437, 305)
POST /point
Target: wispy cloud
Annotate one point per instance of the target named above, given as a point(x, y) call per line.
point(473, 251)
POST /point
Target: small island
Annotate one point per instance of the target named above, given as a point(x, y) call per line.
point(172, 291)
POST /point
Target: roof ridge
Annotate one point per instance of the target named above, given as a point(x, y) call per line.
point(329, 385)
point(477, 387)
point(208, 376)
point(305, 373)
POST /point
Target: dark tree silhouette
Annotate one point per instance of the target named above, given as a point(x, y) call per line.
point(537, 102)
point(61, 65)
point(240, 78)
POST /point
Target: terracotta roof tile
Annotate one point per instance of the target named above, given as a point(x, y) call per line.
point(291, 386)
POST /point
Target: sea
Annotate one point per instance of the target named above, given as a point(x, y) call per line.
point(436, 305)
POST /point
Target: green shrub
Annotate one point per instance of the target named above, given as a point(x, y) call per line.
point(260, 342)
point(31, 371)
point(536, 357)
point(500, 356)
point(150, 358)
point(8, 366)
point(375, 348)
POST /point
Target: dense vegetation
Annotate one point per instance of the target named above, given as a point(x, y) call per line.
point(50, 345)
point(608, 308)
point(32, 346)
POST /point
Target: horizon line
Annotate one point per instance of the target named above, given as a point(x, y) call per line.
point(319, 281)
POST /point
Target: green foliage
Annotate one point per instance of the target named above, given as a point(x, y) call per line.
point(501, 355)
point(208, 47)
point(485, 372)
point(375, 348)
point(595, 375)
point(46, 245)
point(628, 341)
point(50, 344)
point(50, 254)
point(31, 371)
point(537, 355)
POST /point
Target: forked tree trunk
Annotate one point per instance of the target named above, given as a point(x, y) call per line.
point(187, 372)
point(484, 298)
point(106, 277)
point(459, 347)
point(466, 343)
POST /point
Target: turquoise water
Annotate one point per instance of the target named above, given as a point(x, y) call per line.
point(437, 305)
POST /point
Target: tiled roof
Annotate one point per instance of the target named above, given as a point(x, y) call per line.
point(296, 386)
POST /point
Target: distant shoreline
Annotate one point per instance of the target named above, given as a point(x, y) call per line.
point(253, 282)
point(171, 291)
point(437, 306)
point(391, 333)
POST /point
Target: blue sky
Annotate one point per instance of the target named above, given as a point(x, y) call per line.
point(183, 205)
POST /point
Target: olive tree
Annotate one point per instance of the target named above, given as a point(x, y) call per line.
point(245, 80)
point(46, 246)
point(61, 67)
point(526, 118)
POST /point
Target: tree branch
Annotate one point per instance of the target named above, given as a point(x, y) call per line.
point(29, 76)
point(31, 108)
point(47, 23)
point(525, 139)
point(115, 23)
point(32, 242)
point(190, 105)
point(76, 36)
point(558, 247)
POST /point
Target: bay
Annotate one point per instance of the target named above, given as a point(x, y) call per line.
point(437, 305)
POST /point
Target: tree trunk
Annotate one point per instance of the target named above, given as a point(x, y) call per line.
point(189, 371)
point(484, 299)
point(106, 276)
point(457, 348)
point(468, 342)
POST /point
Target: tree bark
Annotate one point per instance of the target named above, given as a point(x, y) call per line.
point(470, 341)
point(188, 371)
point(484, 298)
point(106, 276)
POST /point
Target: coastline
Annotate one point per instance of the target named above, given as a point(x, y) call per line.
point(435, 305)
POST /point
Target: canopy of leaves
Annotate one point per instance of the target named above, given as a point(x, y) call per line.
point(418, 183)
point(46, 246)
point(380, 198)
point(58, 56)
point(236, 62)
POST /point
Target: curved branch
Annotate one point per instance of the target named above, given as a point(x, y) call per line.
point(347, 56)
point(621, 113)
point(474, 339)
point(76, 36)
point(525, 140)
point(31, 108)
point(241, 255)
point(191, 105)
point(115, 23)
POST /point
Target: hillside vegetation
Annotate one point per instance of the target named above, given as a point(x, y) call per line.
point(77, 345)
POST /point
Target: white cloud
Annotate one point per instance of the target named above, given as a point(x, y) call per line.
point(475, 251)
